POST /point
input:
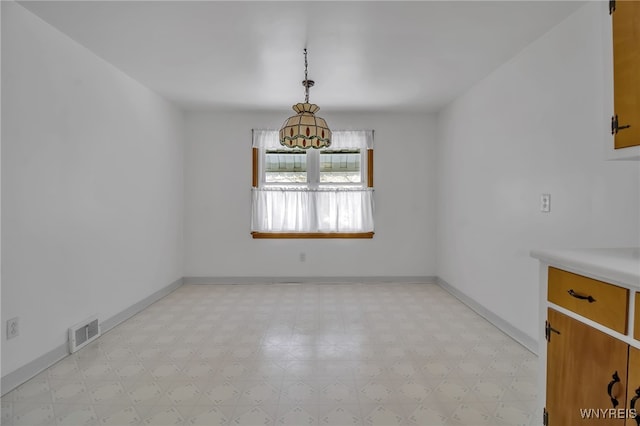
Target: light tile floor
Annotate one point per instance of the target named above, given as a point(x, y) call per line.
point(286, 354)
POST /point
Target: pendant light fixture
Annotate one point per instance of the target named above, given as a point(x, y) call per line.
point(305, 130)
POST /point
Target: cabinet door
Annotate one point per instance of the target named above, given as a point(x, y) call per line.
point(636, 320)
point(581, 363)
point(633, 390)
point(626, 69)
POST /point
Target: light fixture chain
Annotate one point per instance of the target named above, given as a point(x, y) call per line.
point(306, 79)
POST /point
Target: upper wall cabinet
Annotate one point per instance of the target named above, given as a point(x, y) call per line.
point(625, 121)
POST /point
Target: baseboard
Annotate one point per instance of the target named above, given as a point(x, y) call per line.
point(511, 331)
point(118, 318)
point(314, 280)
point(33, 368)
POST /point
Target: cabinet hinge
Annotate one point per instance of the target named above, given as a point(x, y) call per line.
point(548, 329)
point(612, 6)
point(545, 417)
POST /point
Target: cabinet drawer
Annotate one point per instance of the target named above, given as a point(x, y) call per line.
point(636, 322)
point(603, 303)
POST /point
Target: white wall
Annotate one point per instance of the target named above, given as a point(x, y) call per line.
point(218, 202)
point(534, 126)
point(92, 187)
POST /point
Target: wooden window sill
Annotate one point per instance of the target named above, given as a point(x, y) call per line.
point(308, 235)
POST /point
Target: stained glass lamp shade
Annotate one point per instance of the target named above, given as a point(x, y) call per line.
point(305, 130)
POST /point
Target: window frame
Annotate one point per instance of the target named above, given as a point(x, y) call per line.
point(313, 170)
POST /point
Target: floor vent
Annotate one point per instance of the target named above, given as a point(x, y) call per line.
point(83, 333)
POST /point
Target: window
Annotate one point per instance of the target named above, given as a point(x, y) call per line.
point(314, 193)
point(340, 166)
point(282, 166)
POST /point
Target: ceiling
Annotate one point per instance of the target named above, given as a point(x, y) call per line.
point(363, 55)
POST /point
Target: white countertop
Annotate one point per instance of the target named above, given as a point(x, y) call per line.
point(613, 265)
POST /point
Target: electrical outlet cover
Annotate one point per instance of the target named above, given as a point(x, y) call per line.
point(12, 328)
point(545, 203)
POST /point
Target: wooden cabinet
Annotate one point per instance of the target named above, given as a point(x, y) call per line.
point(625, 123)
point(633, 387)
point(589, 333)
point(592, 361)
point(582, 367)
point(636, 321)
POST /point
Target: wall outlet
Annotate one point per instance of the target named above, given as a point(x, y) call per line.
point(12, 328)
point(545, 203)
point(303, 256)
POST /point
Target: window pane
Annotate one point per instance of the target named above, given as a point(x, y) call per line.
point(340, 166)
point(286, 166)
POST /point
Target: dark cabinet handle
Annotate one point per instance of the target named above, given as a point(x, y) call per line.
point(616, 379)
point(581, 297)
point(615, 126)
point(632, 406)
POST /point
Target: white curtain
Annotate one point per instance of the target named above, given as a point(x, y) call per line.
point(266, 139)
point(282, 210)
point(345, 210)
point(305, 209)
point(361, 139)
point(312, 210)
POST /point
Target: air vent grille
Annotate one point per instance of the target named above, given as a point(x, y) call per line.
point(83, 333)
